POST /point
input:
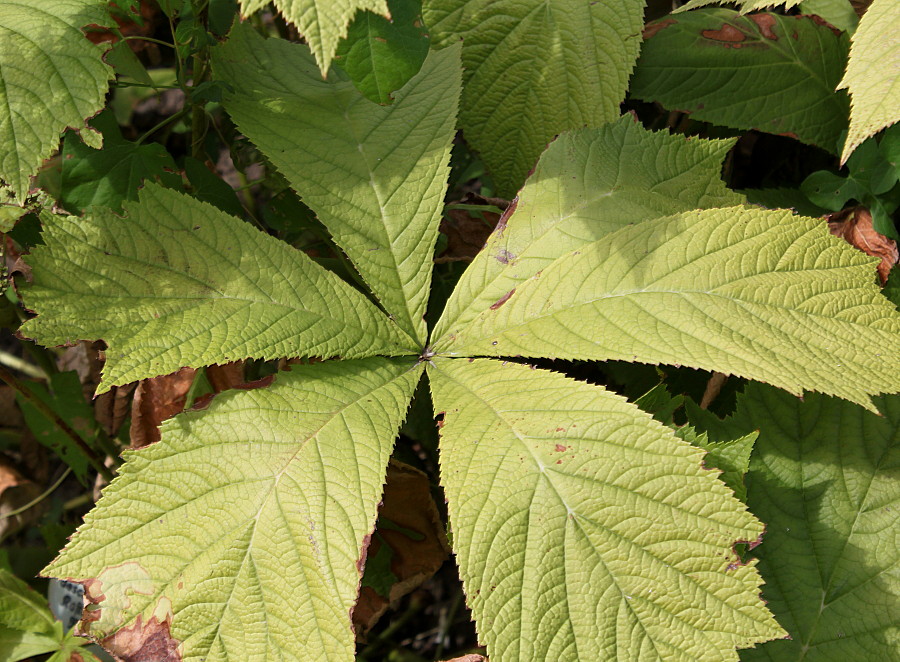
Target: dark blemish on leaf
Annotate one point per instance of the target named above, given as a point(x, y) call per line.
point(818, 20)
point(494, 342)
point(560, 448)
point(729, 35)
point(361, 561)
point(504, 217)
point(196, 227)
point(144, 643)
point(560, 429)
point(381, 39)
point(505, 257)
point(499, 302)
point(765, 22)
point(654, 28)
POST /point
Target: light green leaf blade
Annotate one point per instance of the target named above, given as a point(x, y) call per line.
point(27, 628)
point(53, 78)
point(751, 292)
point(763, 71)
point(744, 5)
point(589, 183)
point(825, 477)
point(180, 283)
point(584, 529)
point(873, 74)
point(381, 55)
point(534, 69)
point(241, 530)
point(374, 175)
point(322, 22)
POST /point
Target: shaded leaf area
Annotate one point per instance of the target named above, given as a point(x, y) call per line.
point(380, 55)
point(184, 284)
point(873, 74)
point(763, 71)
point(323, 23)
point(27, 628)
point(110, 176)
point(586, 530)
point(53, 78)
point(374, 175)
point(730, 456)
point(760, 294)
point(824, 477)
point(588, 183)
point(534, 70)
point(238, 535)
point(406, 549)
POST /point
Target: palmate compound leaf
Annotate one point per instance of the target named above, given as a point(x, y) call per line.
point(323, 23)
point(374, 175)
point(180, 283)
point(762, 294)
point(873, 74)
point(238, 535)
point(534, 69)
point(584, 529)
point(52, 78)
point(825, 477)
point(587, 184)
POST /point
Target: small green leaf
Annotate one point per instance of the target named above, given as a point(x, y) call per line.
point(53, 78)
point(839, 13)
point(587, 184)
point(208, 187)
point(756, 293)
point(323, 23)
point(127, 64)
point(184, 284)
point(241, 530)
point(763, 71)
point(110, 176)
point(374, 175)
point(873, 74)
point(381, 55)
point(586, 530)
point(825, 477)
point(534, 69)
point(731, 457)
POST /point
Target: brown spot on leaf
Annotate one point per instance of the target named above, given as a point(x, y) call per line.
point(727, 34)
point(505, 257)
point(765, 22)
point(818, 20)
point(854, 225)
point(652, 29)
point(499, 302)
point(560, 448)
point(144, 643)
point(504, 218)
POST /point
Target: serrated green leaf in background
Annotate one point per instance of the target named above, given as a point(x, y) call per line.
point(323, 23)
point(184, 284)
point(744, 5)
point(751, 292)
point(242, 528)
point(873, 74)
point(27, 628)
point(586, 530)
point(731, 456)
point(381, 55)
point(764, 71)
point(825, 477)
point(839, 13)
point(535, 69)
point(53, 78)
point(110, 176)
point(374, 175)
point(589, 183)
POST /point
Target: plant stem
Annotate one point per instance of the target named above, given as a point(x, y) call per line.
point(150, 39)
point(95, 460)
point(171, 118)
point(23, 366)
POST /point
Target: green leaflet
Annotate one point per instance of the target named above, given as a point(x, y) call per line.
point(374, 175)
point(181, 283)
point(27, 628)
point(761, 294)
point(241, 529)
point(584, 530)
point(535, 69)
point(824, 477)
point(764, 71)
point(873, 74)
point(587, 184)
point(381, 55)
point(52, 79)
point(322, 22)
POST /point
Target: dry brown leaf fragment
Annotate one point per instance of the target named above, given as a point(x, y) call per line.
point(155, 400)
point(854, 225)
point(471, 657)
point(467, 233)
point(16, 491)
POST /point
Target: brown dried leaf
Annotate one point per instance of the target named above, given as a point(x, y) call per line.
point(471, 657)
point(156, 400)
point(855, 226)
point(466, 234)
point(15, 492)
point(227, 376)
point(408, 506)
point(144, 643)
